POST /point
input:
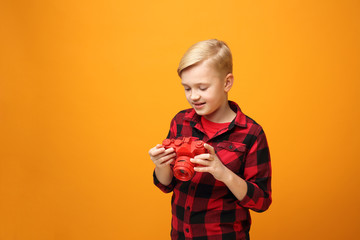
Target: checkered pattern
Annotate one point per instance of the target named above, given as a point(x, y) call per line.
point(204, 208)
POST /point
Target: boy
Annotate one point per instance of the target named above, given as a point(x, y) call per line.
point(235, 175)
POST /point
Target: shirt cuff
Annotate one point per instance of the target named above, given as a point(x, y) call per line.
point(165, 189)
point(249, 194)
point(253, 200)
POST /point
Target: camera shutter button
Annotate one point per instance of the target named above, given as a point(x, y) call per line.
point(178, 142)
point(166, 142)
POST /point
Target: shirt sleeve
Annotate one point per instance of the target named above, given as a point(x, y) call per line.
point(173, 129)
point(170, 187)
point(257, 175)
point(165, 189)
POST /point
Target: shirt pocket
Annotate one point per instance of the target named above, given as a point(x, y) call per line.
point(231, 154)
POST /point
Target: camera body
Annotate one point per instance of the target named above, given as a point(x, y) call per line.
point(185, 148)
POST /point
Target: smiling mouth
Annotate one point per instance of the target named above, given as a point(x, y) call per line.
point(198, 104)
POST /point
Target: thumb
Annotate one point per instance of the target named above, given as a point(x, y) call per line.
point(209, 148)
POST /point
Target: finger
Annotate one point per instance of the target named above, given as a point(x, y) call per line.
point(156, 151)
point(209, 148)
point(207, 156)
point(158, 146)
point(202, 169)
point(200, 161)
point(170, 161)
point(166, 158)
point(165, 153)
point(169, 150)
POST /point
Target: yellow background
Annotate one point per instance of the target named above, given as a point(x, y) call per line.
point(88, 87)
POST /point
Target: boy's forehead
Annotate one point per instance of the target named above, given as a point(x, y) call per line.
point(199, 79)
point(195, 81)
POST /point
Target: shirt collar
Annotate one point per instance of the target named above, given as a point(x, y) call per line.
point(240, 119)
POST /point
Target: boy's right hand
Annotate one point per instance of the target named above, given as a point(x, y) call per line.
point(162, 157)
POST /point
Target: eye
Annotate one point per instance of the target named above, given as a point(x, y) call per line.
point(187, 89)
point(203, 88)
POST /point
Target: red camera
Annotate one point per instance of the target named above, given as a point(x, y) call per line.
point(185, 149)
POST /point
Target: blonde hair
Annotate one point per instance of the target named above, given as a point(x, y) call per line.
point(216, 51)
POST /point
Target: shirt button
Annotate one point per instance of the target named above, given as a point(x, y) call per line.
point(192, 188)
point(230, 147)
point(188, 208)
point(187, 230)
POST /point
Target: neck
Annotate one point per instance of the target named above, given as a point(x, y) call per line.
point(222, 115)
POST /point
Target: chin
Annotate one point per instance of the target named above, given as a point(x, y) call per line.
point(201, 113)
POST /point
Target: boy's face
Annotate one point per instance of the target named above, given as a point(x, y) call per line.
point(206, 90)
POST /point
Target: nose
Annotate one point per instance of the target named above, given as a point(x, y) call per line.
point(194, 96)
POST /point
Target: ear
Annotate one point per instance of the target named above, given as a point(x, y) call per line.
point(229, 81)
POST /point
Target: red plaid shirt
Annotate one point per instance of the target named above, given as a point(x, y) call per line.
point(204, 208)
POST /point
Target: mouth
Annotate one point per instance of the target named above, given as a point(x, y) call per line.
point(198, 105)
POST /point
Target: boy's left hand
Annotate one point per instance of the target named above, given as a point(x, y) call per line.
point(210, 163)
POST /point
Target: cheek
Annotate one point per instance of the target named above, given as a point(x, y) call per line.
point(218, 92)
point(210, 94)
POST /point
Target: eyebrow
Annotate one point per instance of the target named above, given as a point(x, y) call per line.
point(196, 84)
